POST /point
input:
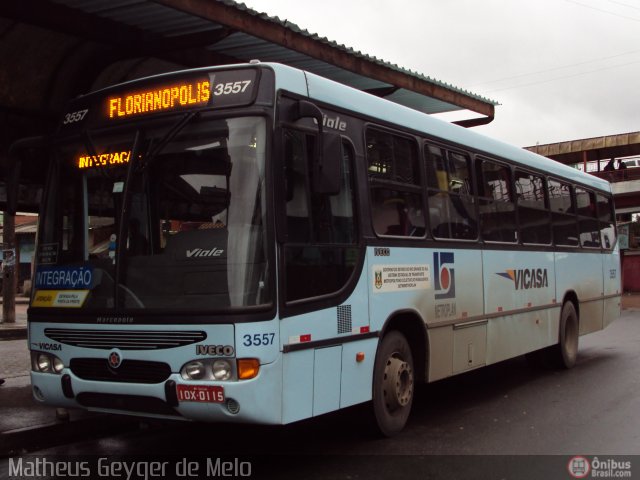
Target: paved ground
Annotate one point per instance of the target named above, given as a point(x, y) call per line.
point(14, 359)
point(17, 329)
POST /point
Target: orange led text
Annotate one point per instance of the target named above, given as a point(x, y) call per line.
point(104, 160)
point(157, 100)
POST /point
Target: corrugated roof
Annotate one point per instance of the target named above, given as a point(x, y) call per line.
point(166, 21)
point(295, 28)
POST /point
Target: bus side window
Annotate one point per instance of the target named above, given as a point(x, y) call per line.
point(452, 210)
point(588, 225)
point(496, 202)
point(533, 215)
point(563, 213)
point(394, 183)
point(607, 225)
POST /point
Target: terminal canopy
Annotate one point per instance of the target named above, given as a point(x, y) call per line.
point(55, 50)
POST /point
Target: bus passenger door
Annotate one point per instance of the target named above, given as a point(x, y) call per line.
point(319, 295)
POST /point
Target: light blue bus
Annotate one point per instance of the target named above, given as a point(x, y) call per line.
point(254, 243)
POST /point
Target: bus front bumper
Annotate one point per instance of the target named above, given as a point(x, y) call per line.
point(258, 400)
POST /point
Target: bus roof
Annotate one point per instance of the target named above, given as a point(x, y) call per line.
point(330, 92)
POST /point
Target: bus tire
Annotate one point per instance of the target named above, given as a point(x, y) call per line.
point(565, 353)
point(393, 384)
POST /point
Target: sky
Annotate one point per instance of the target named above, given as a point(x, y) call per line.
point(560, 69)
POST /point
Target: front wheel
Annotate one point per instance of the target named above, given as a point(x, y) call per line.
point(393, 384)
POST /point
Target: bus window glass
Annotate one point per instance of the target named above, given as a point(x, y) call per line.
point(195, 222)
point(392, 158)
point(452, 212)
point(320, 252)
point(533, 216)
point(296, 186)
point(396, 196)
point(563, 219)
point(497, 208)
point(607, 225)
point(588, 225)
point(397, 213)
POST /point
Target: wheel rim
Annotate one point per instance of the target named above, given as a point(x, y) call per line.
point(397, 386)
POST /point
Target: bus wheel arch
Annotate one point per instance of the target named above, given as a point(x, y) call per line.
point(572, 297)
point(411, 325)
point(398, 365)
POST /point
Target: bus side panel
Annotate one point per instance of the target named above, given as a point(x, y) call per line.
point(297, 385)
point(612, 275)
point(440, 352)
point(582, 273)
point(327, 373)
point(393, 287)
point(522, 285)
point(357, 377)
point(443, 287)
point(315, 381)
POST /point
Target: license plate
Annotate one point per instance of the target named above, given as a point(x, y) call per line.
point(200, 393)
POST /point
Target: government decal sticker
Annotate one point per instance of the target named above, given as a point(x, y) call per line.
point(397, 278)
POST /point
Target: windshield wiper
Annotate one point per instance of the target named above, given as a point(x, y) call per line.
point(153, 151)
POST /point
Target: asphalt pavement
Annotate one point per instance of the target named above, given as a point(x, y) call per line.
point(26, 425)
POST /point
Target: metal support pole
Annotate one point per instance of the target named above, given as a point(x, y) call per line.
point(9, 269)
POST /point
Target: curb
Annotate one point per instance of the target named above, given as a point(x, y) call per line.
point(13, 333)
point(24, 440)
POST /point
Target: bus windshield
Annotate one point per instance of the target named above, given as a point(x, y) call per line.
point(168, 217)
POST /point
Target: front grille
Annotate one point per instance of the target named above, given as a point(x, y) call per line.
point(124, 339)
point(131, 403)
point(130, 371)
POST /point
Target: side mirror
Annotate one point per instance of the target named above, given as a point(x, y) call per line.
point(328, 153)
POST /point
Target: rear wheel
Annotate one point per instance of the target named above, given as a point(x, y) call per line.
point(393, 384)
point(566, 352)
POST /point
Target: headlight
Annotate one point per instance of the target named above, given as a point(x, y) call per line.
point(211, 369)
point(194, 371)
point(221, 370)
point(46, 363)
point(58, 366)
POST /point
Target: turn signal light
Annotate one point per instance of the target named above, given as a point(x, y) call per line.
point(248, 368)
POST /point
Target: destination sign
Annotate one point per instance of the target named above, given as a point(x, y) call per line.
point(158, 99)
point(217, 89)
point(160, 95)
point(103, 160)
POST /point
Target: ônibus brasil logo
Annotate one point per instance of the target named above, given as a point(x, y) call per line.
point(526, 278)
point(579, 467)
point(445, 275)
